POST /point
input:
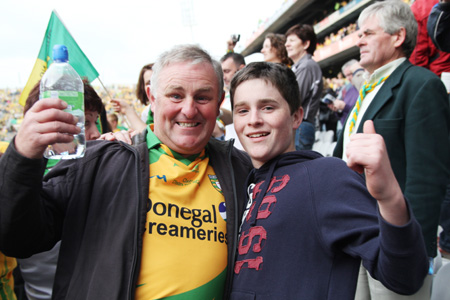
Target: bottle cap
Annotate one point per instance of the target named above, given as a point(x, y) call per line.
point(60, 53)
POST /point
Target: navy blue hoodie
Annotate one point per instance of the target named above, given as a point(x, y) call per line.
point(309, 222)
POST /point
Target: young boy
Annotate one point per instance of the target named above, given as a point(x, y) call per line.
point(310, 220)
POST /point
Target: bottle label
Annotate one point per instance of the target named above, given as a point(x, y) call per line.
point(75, 100)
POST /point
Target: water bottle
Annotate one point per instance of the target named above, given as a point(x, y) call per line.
point(63, 82)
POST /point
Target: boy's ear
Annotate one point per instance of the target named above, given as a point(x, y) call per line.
point(297, 117)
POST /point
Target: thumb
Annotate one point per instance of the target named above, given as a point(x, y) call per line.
point(369, 127)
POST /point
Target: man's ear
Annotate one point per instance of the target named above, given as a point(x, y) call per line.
point(399, 37)
point(220, 103)
point(241, 67)
point(151, 98)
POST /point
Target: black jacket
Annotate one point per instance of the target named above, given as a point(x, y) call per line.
point(97, 206)
point(438, 26)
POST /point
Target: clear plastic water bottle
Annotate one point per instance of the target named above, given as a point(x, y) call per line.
point(63, 82)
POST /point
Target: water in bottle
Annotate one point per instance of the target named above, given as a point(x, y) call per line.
point(63, 82)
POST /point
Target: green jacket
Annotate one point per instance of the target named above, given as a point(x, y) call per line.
point(411, 112)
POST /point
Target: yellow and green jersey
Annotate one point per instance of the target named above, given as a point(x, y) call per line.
point(184, 254)
point(6, 277)
point(3, 146)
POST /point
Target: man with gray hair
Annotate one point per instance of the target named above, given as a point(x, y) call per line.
point(410, 109)
point(155, 220)
point(347, 98)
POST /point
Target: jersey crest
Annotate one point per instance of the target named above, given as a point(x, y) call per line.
point(215, 183)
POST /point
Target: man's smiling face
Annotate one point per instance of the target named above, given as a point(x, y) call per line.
point(185, 106)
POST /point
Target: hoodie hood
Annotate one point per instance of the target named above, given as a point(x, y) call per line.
point(290, 158)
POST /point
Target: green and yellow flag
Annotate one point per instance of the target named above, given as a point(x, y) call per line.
point(57, 33)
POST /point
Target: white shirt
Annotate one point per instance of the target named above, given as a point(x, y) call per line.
point(379, 73)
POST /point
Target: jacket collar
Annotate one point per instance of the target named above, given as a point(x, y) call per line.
point(385, 94)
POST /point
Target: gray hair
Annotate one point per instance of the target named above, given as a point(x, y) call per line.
point(185, 53)
point(351, 62)
point(393, 15)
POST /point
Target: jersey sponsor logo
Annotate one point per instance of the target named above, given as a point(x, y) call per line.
point(195, 219)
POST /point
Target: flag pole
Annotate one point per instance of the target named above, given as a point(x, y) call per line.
point(110, 98)
point(107, 92)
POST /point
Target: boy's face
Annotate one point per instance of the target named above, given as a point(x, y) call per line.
point(263, 121)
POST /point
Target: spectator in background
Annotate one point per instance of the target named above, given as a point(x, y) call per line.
point(274, 49)
point(327, 117)
point(232, 42)
point(425, 53)
point(410, 109)
point(349, 93)
point(300, 45)
point(358, 78)
point(439, 31)
point(142, 92)
point(231, 63)
point(122, 106)
point(439, 25)
point(338, 82)
point(113, 121)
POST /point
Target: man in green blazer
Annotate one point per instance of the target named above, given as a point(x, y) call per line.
point(410, 109)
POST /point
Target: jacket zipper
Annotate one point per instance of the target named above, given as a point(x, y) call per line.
point(138, 182)
point(236, 219)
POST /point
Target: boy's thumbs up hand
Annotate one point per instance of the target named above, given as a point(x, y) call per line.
point(364, 149)
point(369, 127)
point(367, 153)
